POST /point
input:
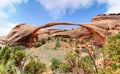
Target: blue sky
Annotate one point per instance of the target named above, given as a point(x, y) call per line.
point(40, 12)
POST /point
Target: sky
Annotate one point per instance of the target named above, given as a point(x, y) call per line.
point(40, 12)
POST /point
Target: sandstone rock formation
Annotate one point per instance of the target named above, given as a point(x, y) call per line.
point(48, 32)
point(2, 39)
point(100, 27)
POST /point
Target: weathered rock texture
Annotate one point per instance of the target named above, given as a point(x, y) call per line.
point(99, 28)
point(2, 39)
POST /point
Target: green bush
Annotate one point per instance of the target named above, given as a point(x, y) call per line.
point(40, 43)
point(18, 57)
point(64, 39)
point(35, 67)
point(71, 57)
point(57, 43)
point(7, 65)
point(5, 54)
point(13, 59)
point(36, 45)
point(18, 47)
point(70, 40)
point(55, 64)
point(65, 29)
point(65, 67)
point(111, 52)
point(87, 60)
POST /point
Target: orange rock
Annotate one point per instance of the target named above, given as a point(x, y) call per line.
point(99, 28)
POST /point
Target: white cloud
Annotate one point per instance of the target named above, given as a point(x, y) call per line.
point(101, 1)
point(3, 15)
point(113, 6)
point(58, 8)
point(10, 5)
point(6, 27)
point(5, 3)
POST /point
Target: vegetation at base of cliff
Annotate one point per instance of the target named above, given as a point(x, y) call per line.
point(108, 55)
point(72, 64)
point(35, 67)
point(89, 59)
point(111, 53)
point(57, 41)
point(13, 61)
point(40, 43)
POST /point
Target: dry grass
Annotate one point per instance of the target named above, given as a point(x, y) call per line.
point(46, 52)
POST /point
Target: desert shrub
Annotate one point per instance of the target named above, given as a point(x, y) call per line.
point(48, 39)
point(55, 48)
point(71, 57)
point(64, 67)
point(77, 51)
point(103, 71)
point(40, 43)
point(75, 61)
point(12, 61)
point(8, 68)
point(18, 47)
point(87, 60)
point(7, 65)
point(64, 39)
point(65, 29)
point(83, 41)
point(84, 50)
point(5, 54)
point(86, 64)
point(36, 45)
point(57, 43)
point(115, 65)
point(35, 67)
point(70, 40)
point(61, 67)
point(19, 57)
point(72, 60)
point(55, 63)
point(111, 52)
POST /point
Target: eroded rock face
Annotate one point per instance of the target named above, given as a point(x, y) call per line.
point(100, 27)
point(48, 32)
point(2, 40)
point(104, 17)
point(110, 22)
point(74, 33)
point(21, 34)
point(24, 34)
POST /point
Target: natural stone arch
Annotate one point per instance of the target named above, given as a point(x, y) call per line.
point(27, 35)
point(97, 35)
